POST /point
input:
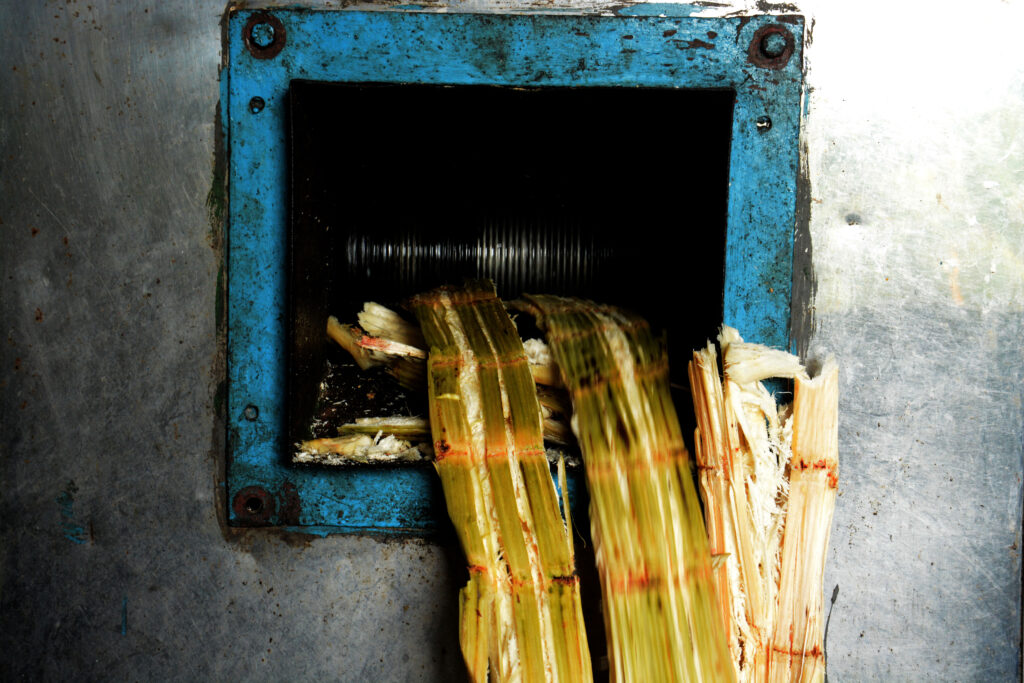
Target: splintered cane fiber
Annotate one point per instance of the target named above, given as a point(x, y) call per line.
point(520, 614)
point(660, 610)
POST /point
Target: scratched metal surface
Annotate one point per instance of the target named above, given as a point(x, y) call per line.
point(115, 562)
point(914, 225)
point(917, 225)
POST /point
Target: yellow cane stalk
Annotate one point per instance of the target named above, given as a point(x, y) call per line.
point(797, 648)
point(521, 617)
point(769, 512)
point(650, 542)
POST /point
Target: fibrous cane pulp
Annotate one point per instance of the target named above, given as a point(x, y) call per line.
point(768, 477)
point(520, 613)
point(650, 542)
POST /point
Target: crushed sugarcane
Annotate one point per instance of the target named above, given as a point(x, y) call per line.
point(361, 449)
point(415, 429)
point(387, 339)
point(738, 599)
point(404, 440)
point(371, 440)
point(380, 321)
point(797, 648)
point(383, 337)
point(651, 547)
point(403, 361)
point(556, 411)
point(768, 512)
point(520, 613)
point(542, 365)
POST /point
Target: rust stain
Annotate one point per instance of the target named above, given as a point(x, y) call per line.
point(253, 506)
point(694, 44)
point(291, 505)
point(39, 316)
point(739, 27)
point(755, 54)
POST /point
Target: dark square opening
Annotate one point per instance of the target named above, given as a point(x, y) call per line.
point(614, 194)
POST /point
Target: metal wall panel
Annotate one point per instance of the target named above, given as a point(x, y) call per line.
point(116, 561)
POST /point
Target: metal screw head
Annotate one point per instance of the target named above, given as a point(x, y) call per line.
point(251, 412)
point(256, 104)
point(773, 45)
point(262, 34)
point(253, 506)
point(763, 123)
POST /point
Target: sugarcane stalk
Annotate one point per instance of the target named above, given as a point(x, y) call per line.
point(347, 337)
point(412, 428)
point(385, 338)
point(360, 449)
point(542, 365)
point(556, 410)
point(404, 362)
point(380, 321)
point(520, 613)
point(715, 466)
point(757, 513)
point(651, 546)
point(744, 486)
point(797, 649)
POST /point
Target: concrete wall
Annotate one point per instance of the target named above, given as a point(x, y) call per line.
point(114, 560)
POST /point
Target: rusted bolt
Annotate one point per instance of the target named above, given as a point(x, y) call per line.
point(253, 506)
point(251, 413)
point(256, 104)
point(771, 47)
point(264, 35)
point(764, 124)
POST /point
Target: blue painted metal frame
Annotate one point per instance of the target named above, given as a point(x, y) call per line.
point(646, 45)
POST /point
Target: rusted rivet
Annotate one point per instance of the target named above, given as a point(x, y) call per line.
point(764, 124)
point(253, 505)
point(264, 35)
point(771, 47)
point(251, 412)
point(256, 104)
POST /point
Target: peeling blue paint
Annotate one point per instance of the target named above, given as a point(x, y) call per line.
point(668, 49)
